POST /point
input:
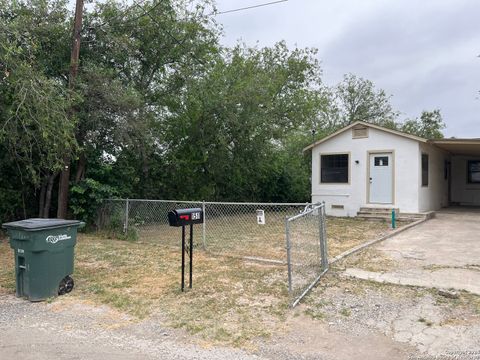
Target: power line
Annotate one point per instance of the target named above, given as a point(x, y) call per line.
point(248, 7)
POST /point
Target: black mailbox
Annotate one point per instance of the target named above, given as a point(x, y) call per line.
point(182, 217)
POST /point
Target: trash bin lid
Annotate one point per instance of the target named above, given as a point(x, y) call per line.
point(40, 224)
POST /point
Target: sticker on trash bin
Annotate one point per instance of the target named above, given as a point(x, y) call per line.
point(21, 251)
point(53, 239)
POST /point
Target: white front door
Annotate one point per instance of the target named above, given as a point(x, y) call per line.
point(381, 178)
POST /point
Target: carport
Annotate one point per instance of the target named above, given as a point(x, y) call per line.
point(440, 253)
point(462, 170)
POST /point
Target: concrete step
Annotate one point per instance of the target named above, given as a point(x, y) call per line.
point(376, 213)
point(371, 210)
point(386, 217)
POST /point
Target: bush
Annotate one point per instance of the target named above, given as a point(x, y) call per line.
point(86, 197)
point(112, 226)
point(10, 203)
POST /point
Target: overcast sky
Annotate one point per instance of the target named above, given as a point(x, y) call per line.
point(423, 52)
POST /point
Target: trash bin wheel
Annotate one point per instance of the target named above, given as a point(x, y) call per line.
point(66, 285)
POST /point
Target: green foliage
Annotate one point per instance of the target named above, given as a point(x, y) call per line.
point(358, 100)
point(130, 235)
point(114, 227)
point(226, 138)
point(161, 110)
point(10, 202)
point(86, 197)
point(34, 125)
point(429, 126)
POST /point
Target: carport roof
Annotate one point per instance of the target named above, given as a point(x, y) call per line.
point(459, 146)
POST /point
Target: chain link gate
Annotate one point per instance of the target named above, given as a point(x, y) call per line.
point(307, 257)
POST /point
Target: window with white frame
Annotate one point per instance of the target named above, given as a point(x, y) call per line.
point(334, 168)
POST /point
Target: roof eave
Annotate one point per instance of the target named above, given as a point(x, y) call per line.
point(381, 128)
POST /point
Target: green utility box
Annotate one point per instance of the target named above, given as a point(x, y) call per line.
point(43, 256)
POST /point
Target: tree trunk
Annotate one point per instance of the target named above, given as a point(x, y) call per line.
point(82, 163)
point(41, 201)
point(48, 195)
point(63, 185)
point(24, 205)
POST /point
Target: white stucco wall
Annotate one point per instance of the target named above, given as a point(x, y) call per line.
point(435, 195)
point(354, 195)
point(462, 192)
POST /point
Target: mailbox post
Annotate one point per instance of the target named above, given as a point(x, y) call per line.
point(183, 217)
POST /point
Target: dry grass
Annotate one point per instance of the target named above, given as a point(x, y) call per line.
point(232, 301)
point(7, 267)
point(241, 236)
point(369, 259)
point(346, 233)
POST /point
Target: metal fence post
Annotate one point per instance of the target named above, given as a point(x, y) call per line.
point(323, 240)
point(289, 262)
point(125, 224)
point(204, 226)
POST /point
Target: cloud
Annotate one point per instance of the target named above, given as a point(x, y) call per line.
point(423, 53)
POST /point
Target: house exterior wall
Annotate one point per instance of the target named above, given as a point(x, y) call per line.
point(435, 195)
point(354, 194)
point(462, 192)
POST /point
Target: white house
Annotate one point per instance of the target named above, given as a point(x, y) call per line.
point(368, 166)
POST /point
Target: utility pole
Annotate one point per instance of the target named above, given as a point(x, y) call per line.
point(63, 185)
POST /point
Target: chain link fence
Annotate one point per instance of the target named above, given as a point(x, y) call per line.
point(146, 220)
point(307, 257)
point(251, 230)
point(255, 230)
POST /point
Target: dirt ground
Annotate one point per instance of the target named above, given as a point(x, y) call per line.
point(340, 319)
point(127, 304)
point(233, 302)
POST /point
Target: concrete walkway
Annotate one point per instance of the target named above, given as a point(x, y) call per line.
point(441, 253)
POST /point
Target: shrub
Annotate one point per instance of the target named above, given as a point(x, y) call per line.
point(86, 197)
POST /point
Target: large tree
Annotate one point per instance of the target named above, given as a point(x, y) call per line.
point(429, 125)
point(358, 99)
point(34, 126)
point(224, 141)
point(134, 61)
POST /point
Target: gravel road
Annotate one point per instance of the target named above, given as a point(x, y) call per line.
point(341, 320)
point(68, 330)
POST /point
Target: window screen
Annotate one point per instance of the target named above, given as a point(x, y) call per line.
point(473, 168)
point(424, 169)
point(334, 168)
point(381, 160)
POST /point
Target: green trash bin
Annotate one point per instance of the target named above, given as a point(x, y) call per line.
point(44, 253)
